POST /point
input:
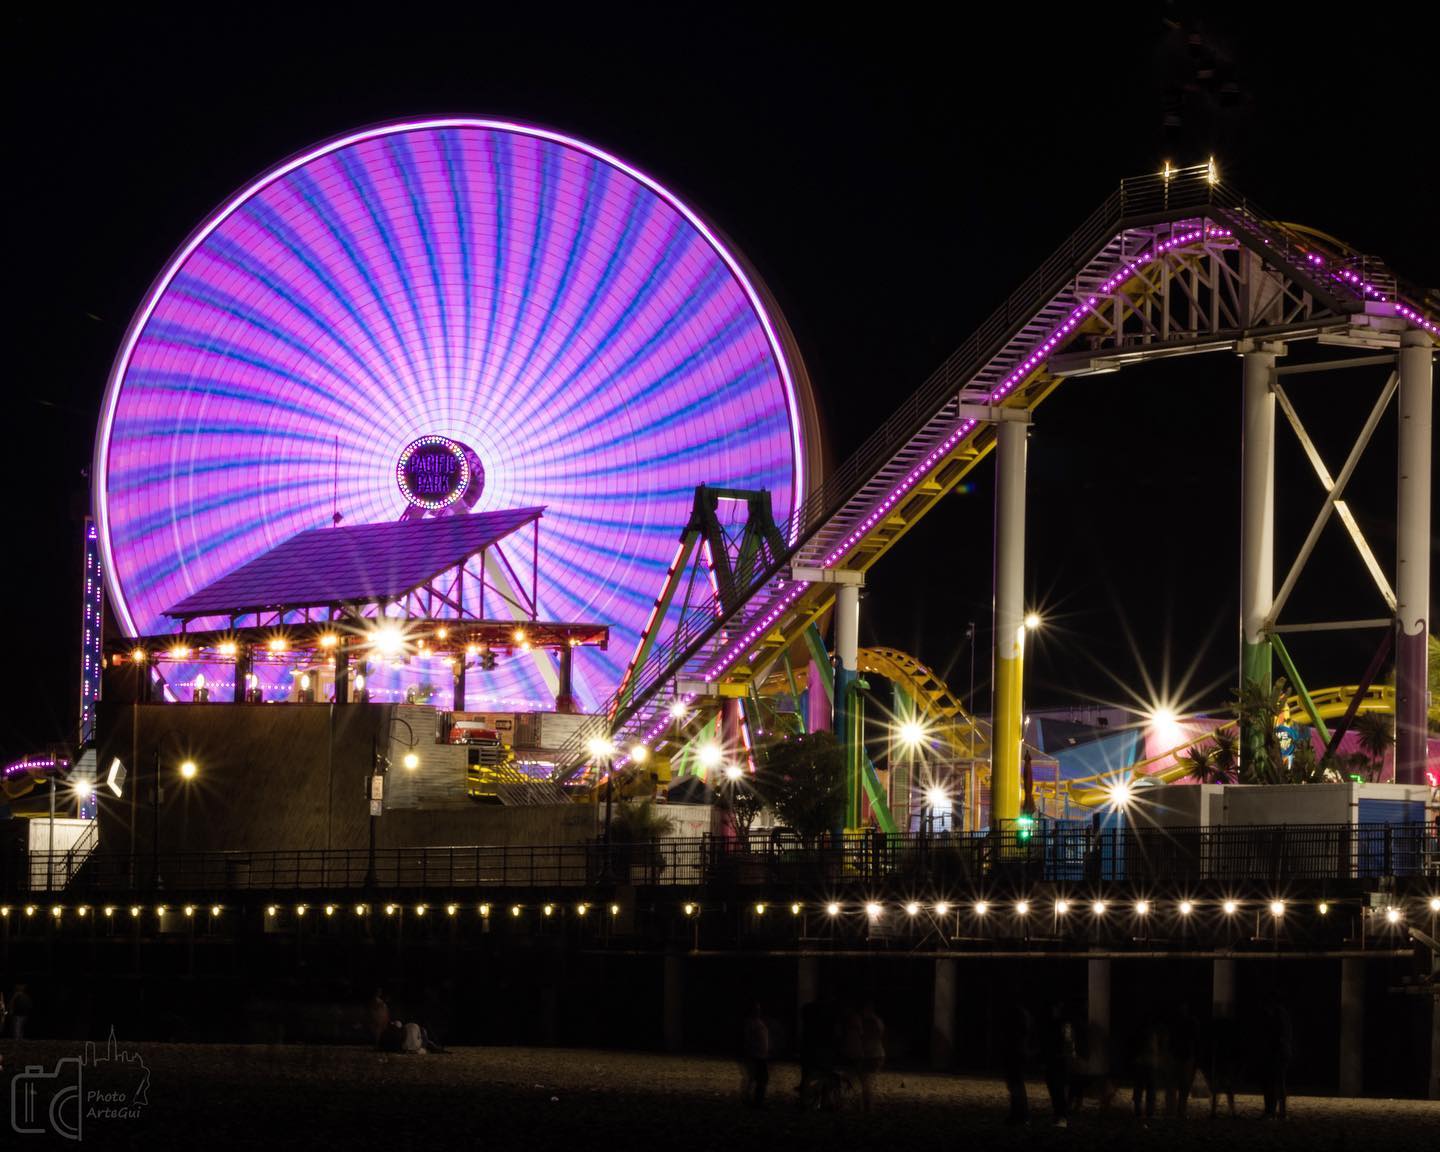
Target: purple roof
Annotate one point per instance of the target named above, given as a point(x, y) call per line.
point(364, 562)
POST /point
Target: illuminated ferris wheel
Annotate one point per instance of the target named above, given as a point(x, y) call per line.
point(497, 316)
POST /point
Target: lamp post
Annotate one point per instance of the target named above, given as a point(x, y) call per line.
point(972, 800)
point(912, 735)
point(601, 749)
point(1033, 623)
point(188, 771)
point(376, 792)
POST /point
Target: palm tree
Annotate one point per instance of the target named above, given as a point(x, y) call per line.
point(1225, 757)
point(1255, 708)
point(1377, 736)
point(1200, 760)
point(1304, 767)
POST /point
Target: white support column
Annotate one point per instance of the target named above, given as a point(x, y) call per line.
point(1097, 1015)
point(847, 663)
point(1413, 544)
point(847, 626)
point(942, 1015)
point(1009, 621)
point(1257, 507)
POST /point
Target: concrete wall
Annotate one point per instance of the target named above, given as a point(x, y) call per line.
point(489, 824)
point(270, 776)
point(1310, 803)
point(276, 777)
point(1178, 805)
point(1288, 804)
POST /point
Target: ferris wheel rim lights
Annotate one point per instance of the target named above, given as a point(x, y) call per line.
point(163, 282)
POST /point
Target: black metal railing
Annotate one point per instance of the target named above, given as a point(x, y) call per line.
point(1058, 852)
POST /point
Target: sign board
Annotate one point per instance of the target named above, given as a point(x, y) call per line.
point(375, 807)
point(433, 472)
point(377, 788)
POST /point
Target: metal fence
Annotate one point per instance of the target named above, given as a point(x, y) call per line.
point(1056, 851)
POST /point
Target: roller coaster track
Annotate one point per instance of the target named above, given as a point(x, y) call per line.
point(936, 706)
point(1174, 263)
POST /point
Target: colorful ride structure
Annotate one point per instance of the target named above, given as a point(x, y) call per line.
point(437, 318)
point(1173, 264)
point(364, 377)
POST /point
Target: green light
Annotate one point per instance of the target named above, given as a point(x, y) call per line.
point(1024, 828)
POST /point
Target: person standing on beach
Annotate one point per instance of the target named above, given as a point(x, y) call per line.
point(1015, 1031)
point(872, 1052)
point(757, 1057)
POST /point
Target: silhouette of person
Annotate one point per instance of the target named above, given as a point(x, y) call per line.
point(872, 1052)
point(1059, 1062)
point(1224, 1062)
point(1014, 1050)
point(1184, 1049)
point(1145, 1069)
point(757, 1057)
point(1276, 1050)
point(20, 1009)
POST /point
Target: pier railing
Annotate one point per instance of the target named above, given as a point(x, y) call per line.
point(1053, 852)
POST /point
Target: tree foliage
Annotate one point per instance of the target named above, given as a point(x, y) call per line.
point(803, 779)
point(638, 821)
point(1255, 708)
point(1376, 731)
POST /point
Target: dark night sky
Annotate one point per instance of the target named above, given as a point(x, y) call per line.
point(891, 182)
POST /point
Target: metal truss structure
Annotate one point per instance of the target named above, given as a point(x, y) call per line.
point(449, 615)
point(1172, 264)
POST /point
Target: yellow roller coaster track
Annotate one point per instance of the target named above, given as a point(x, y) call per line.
point(940, 708)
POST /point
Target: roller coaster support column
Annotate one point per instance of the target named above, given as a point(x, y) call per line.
point(847, 668)
point(1009, 621)
point(1257, 508)
point(1412, 578)
point(847, 672)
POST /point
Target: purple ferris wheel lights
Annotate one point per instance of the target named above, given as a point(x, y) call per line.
point(585, 336)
